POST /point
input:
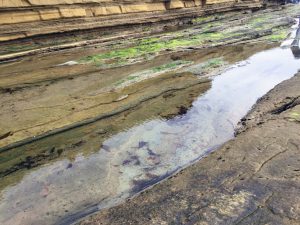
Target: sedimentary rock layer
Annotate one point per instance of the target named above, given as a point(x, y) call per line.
point(21, 19)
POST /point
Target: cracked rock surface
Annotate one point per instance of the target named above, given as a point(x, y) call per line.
point(253, 179)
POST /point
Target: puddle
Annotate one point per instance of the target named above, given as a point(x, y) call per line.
point(64, 191)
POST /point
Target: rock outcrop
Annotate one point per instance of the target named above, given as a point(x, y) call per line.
point(27, 18)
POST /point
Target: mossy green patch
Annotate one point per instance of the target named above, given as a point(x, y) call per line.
point(170, 66)
point(18, 48)
point(207, 66)
point(142, 49)
point(136, 77)
point(150, 46)
point(213, 63)
point(257, 20)
point(278, 35)
point(129, 78)
point(209, 18)
point(209, 26)
point(203, 19)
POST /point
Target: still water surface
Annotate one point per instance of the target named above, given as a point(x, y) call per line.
point(63, 191)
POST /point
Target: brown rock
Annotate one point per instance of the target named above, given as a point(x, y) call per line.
point(19, 17)
point(69, 13)
point(175, 4)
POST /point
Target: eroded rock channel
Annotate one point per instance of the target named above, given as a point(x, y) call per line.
point(84, 129)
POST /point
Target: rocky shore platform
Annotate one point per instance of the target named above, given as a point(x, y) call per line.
point(253, 179)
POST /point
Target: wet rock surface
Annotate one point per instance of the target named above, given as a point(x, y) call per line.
point(47, 94)
point(253, 179)
point(85, 128)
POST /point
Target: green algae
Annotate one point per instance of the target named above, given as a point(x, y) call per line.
point(17, 48)
point(208, 18)
point(258, 19)
point(207, 66)
point(213, 63)
point(152, 72)
point(214, 31)
point(203, 19)
point(171, 65)
point(212, 25)
point(150, 46)
point(278, 35)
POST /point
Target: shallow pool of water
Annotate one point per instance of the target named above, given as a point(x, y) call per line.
point(63, 191)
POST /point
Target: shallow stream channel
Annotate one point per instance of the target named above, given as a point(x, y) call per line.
point(150, 149)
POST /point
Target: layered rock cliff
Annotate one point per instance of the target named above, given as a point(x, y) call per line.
point(27, 18)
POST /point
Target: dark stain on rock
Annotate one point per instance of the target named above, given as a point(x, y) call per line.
point(59, 151)
point(126, 162)
point(290, 104)
point(78, 144)
point(3, 136)
point(151, 175)
point(142, 144)
point(105, 147)
point(142, 184)
point(182, 110)
point(7, 90)
point(30, 162)
point(151, 152)
point(70, 165)
point(175, 57)
point(169, 95)
point(134, 160)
